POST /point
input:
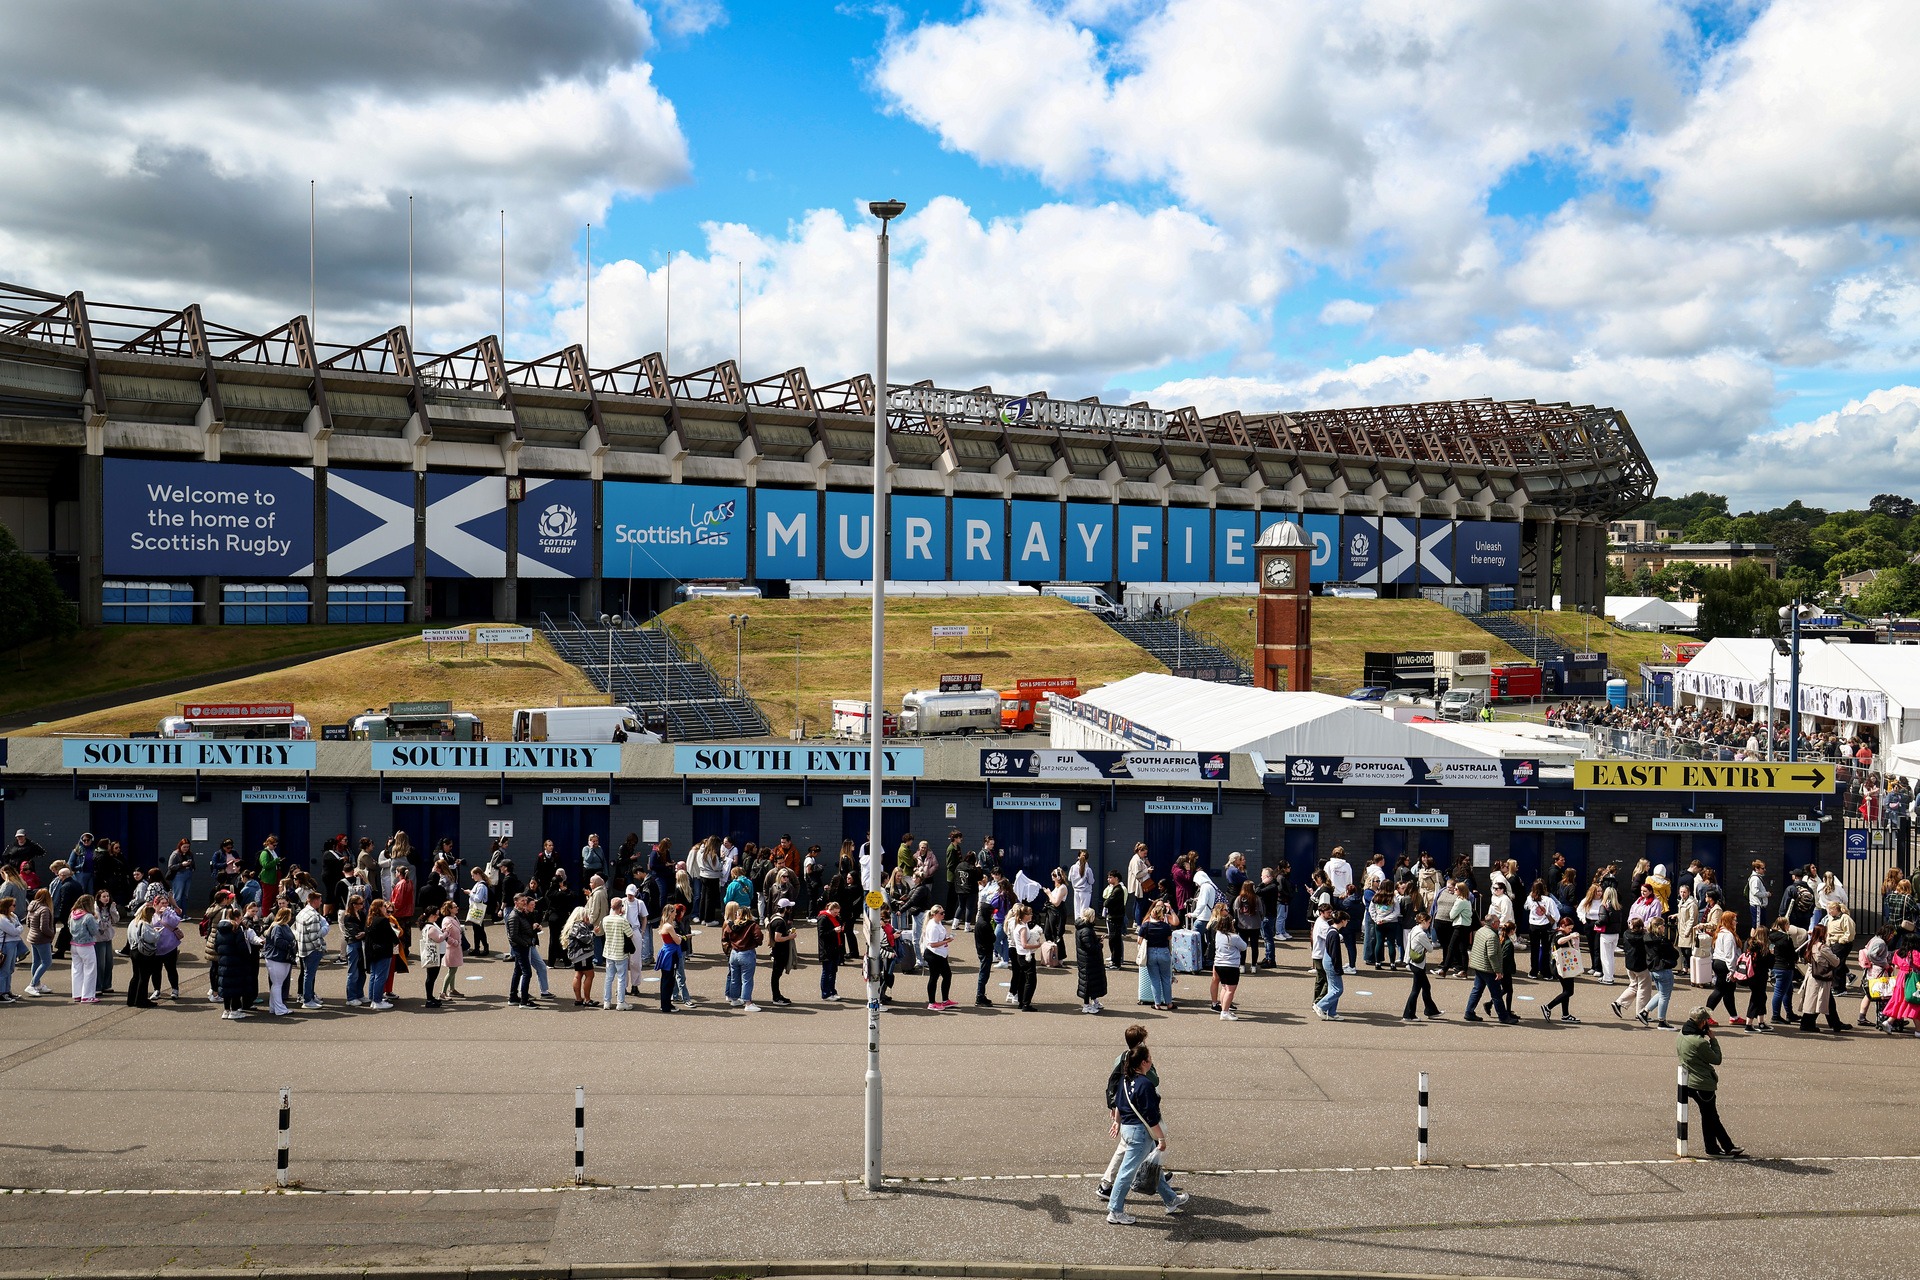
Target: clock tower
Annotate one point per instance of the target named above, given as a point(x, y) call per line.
point(1283, 635)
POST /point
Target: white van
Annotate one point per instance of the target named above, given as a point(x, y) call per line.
point(1090, 598)
point(577, 724)
point(928, 711)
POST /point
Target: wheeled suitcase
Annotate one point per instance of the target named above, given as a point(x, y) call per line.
point(1186, 951)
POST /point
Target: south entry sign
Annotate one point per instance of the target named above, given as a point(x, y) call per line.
point(1690, 775)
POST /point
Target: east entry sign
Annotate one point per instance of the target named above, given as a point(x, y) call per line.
point(1690, 775)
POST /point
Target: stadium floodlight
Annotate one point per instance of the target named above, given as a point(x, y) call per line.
point(886, 211)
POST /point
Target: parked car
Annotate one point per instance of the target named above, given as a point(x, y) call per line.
point(1368, 693)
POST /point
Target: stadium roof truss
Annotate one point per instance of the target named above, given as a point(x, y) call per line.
point(69, 360)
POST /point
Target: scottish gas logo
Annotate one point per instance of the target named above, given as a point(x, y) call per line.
point(704, 528)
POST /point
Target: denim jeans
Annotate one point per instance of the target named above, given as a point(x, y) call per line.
point(1280, 922)
point(181, 882)
point(1483, 985)
point(614, 989)
point(9, 956)
point(1336, 985)
point(740, 967)
point(310, 977)
point(1156, 976)
point(42, 961)
point(1663, 988)
point(356, 972)
point(522, 972)
point(539, 963)
point(1269, 931)
point(377, 988)
point(1782, 994)
point(1138, 1140)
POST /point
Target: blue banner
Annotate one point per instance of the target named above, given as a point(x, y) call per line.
point(556, 528)
point(917, 534)
point(1036, 541)
point(677, 531)
point(1323, 535)
point(369, 523)
point(1486, 552)
point(848, 540)
point(1399, 549)
point(494, 757)
point(1089, 542)
point(1139, 544)
point(785, 527)
point(1436, 552)
point(838, 762)
point(1189, 544)
point(466, 526)
point(179, 518)
point(979, 539)
point(132, 755)
point(1233, 546)
point(1359, 557)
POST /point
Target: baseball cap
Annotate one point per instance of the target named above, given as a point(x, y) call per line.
point(633, 891)
point(784, 903)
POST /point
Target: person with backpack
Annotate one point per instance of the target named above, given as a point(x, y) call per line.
point(1420, 948)
point(667, 956)
point(1699, 1053)
point(143, 943)
point(1633, 953)
point(1816, 992)
point(577, 936)
point(1137, 1123)
point(780, 933)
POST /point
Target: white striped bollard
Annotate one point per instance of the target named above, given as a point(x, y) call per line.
point(286, 1129)
point(579, 1134)
point(1680, 1117)
point(1420, 1144)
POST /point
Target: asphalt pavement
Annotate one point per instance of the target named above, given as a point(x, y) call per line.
point(1555, 1143)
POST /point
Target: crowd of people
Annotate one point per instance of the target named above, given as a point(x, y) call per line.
point(1675, 732)
point(636, 912)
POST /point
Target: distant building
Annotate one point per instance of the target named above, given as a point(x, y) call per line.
point(1854, 583)
point(1631, 557)
point(1621, 532)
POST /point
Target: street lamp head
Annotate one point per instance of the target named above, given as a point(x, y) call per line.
point(886, 210)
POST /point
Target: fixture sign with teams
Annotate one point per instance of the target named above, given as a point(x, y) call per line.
point(1410, 771)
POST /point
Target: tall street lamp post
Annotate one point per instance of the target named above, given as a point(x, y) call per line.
point(886, 211)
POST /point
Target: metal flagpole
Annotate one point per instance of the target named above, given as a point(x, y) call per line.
point(885, 210)
point(313, 318)
point(586, 345)
point(503, 284)
point(666, 352)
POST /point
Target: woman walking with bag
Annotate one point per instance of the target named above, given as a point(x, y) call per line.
point(1136, 1121)
point(934, 943)
point(1023, 943)
point(1566, 966)
point(1156, 958)
point(83, 927)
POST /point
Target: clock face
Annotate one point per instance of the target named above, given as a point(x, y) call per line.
point(1279, 571)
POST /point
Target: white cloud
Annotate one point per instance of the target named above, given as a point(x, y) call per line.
point(1328, 123)
point(1063, 296)
point(1870, 445)
point(689, 17)
point(1346, 311)
point(1811, 119)
point(1679, 408)
point(193, 185)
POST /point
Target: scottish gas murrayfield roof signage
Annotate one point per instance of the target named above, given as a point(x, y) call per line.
point(132, 754)
point(816, 762)
point(495, 757)
point(1024, 411)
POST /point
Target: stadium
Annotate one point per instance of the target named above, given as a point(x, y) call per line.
point(158, 456)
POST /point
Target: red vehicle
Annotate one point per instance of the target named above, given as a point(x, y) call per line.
point(1018, 704)
point(1514, 682)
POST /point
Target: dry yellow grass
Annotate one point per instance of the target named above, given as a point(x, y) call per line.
point(331, 690)
point(1031, 638)
point(1344, 630)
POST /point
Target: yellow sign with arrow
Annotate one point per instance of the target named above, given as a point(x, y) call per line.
point(1696, 775)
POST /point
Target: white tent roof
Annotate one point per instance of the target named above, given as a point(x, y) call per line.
point(1894, 669)
point(1515, 740)
point(1646, 611)
point(1746, 659)
point(1198, 715)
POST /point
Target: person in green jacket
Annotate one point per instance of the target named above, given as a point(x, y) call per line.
point(269, 872)
point(1700, 1055)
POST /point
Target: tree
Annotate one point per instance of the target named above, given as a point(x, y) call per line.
point(32, 606)
point(1891, 504)
point(1741, 601)
point(1896, 591)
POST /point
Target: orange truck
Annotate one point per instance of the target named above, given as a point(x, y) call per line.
point(1018, 704)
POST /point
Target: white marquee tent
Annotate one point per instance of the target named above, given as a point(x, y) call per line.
point(1649, 613)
